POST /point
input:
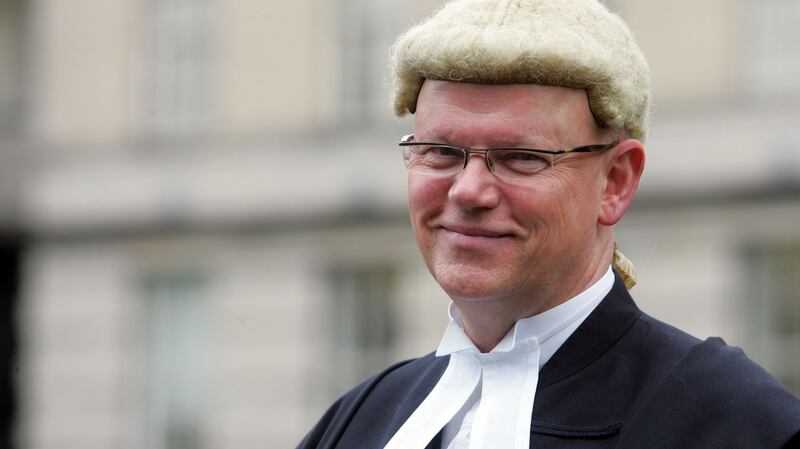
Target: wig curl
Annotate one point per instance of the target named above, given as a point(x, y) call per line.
point(568, 43)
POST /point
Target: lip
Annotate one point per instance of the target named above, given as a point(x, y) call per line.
point(475, 231)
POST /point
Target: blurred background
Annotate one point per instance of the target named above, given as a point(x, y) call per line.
point(203, 230)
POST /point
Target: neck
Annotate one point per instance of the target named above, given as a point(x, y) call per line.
point(487, 322)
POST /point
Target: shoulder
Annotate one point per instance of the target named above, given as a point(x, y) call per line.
point(665, 335)
point(711, 394)
point(399, 378)
point(710, 365)
point(394, 384)
point(717, 373)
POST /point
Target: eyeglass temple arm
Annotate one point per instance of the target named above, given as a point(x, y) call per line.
point(591, 148)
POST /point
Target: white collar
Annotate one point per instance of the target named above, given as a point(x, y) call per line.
point(543, 327)
point(506, 376)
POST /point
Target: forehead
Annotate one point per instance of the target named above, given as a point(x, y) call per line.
point(503, 114)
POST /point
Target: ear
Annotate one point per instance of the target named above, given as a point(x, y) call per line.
point(624, 169)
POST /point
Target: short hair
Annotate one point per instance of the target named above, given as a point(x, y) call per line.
point(567, 43)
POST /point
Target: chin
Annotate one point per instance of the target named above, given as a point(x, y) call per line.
point(471, 287)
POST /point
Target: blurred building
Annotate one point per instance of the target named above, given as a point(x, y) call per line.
point(218, 243)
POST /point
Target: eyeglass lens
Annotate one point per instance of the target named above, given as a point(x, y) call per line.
point(447, 160)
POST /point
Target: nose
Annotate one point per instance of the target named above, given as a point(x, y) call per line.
point(475, 187)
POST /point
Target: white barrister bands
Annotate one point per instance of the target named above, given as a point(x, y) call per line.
point(449, 394)
point(499, 415)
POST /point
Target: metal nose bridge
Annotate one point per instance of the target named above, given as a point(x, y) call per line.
point(468, 152)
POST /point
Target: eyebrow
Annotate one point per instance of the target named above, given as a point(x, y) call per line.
point(510, 140)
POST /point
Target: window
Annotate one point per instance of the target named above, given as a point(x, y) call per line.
point(361, 323)
point(12, 35)
point(177, 100)
point(770, 32)
point(369, 28)
point(773, 306)
point(178, 336)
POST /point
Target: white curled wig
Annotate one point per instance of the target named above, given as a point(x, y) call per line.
point(568, 43)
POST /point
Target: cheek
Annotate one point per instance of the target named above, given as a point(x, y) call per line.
point(426, 200)
point(538, 205)
point(580, 207)
point(426, 196)
point(555, 205)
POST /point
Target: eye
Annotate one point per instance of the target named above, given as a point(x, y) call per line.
point(443, 152)
point(519, 161)
point(522, 156)
point(436, 156)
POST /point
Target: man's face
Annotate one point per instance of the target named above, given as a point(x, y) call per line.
point(486, 238)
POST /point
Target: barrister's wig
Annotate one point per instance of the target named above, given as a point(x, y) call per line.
point(567, 43)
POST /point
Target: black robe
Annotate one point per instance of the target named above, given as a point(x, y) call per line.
point(622, 380)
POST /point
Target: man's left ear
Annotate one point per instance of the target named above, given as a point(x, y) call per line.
point(624, 169)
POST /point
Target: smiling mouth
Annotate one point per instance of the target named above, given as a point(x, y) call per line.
point(475, 240)
point(476, 233)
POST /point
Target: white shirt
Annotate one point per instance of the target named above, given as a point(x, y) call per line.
point(485, 400)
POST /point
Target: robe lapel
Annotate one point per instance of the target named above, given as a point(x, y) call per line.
point(594, 337)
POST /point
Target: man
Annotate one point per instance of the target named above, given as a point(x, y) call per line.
point(527, 150)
